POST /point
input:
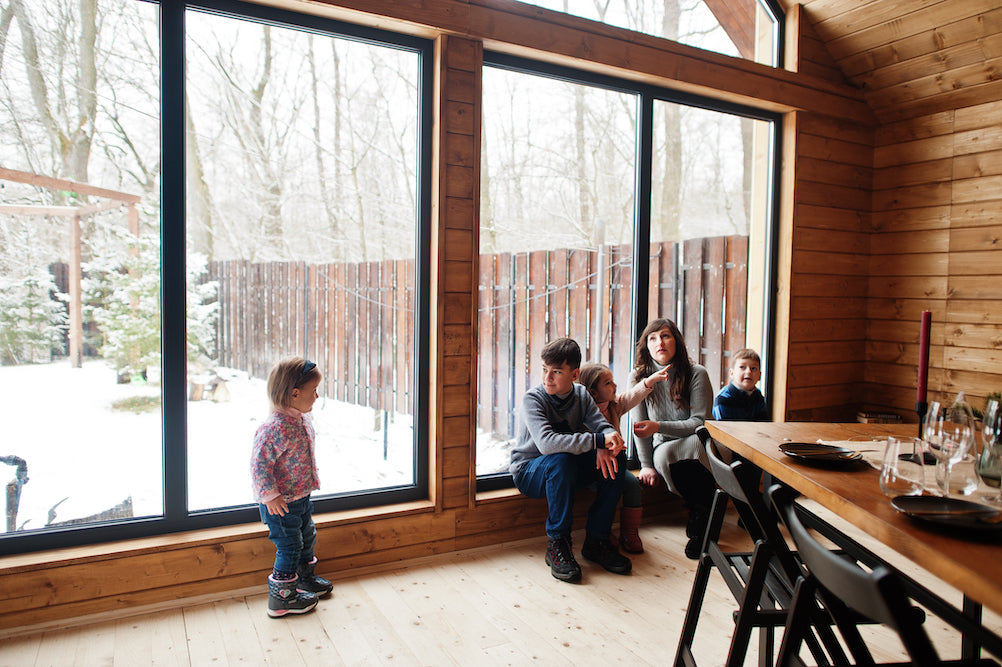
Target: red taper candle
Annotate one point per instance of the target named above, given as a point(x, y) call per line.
point(923, 369)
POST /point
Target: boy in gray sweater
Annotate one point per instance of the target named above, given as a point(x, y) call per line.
point(564, 444)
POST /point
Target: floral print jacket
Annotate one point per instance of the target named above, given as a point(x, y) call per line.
point(283, 462)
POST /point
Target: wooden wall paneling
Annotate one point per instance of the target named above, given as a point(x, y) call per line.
point(977, 164)
point(926, 218)
point(973, 311)
point(823, 401)
point(821, 238)
point(457, 130)
point(835, 149)
point(833, 220)
point(904, 266)
point(853, 27)
point(976, 357)
point(977, 189)
point(915, 91)
point(909, 263)
point(976, 384)
point(939, 146)
point(918, 173)
point(826, 351)
point(909, 242)
point(828, 285)
point(944, 60)
point(831, 263)
point(811, 330)
point(854, 176)
point(904, 131)
point(980, 18)
point(807, 52)
point(914, 196)
point(982, 116)
point(521, 30)
point(970, 91)
point(974, 338)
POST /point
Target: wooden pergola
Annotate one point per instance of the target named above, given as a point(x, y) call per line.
point(75, 213)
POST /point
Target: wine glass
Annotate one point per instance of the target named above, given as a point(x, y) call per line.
point(949, 432)
point(989, 467)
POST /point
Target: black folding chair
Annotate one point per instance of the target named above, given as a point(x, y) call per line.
point(847, 591)
point(761, 581)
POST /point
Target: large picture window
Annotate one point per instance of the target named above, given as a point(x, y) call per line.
point(559, 163)
point(192, 192)
point(576, 169)
point(80, 223)
point(302, 160)
point(750, 29)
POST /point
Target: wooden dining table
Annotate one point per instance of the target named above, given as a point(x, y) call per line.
point(970, 561)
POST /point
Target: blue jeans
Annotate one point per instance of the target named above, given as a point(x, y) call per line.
point(293, 535)
point(557, 477)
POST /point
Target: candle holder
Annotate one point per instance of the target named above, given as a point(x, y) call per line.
point(921, 407)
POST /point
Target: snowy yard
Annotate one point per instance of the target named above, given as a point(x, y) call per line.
point(84, 457)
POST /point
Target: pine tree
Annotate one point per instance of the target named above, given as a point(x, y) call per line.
point(32, 322)
point(123, 284)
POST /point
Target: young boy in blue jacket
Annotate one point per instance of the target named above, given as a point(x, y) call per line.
point(741, 400)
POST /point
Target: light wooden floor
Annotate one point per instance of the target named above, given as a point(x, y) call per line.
point(490, 606)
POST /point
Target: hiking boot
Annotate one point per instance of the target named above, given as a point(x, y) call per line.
point(560, 558)
point(311, 583)
point(605, 553)
point(283, 598)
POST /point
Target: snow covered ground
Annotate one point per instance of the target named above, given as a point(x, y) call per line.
point(84, 458)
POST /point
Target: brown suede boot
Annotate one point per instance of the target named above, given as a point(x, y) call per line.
point(629, 525)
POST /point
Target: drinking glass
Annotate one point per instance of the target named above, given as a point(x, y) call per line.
point(949, 434)
point(989, 467)
point(902, 472)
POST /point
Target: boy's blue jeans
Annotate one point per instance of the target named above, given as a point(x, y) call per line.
point(557, 477)
point(293, 535)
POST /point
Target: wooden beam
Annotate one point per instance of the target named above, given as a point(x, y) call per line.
point(61, 211)
point(67, 185)
point(519, 29)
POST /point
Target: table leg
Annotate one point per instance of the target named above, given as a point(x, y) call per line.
point(970, 649)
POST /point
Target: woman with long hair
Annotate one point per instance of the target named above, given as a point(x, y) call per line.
point(665, 423)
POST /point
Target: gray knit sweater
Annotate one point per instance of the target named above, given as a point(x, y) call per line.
point(551, 425)
point(675, 423)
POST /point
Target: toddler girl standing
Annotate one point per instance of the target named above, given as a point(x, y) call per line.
point(284, 473)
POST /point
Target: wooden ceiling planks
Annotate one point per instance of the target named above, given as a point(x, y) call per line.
point(737, 18)
point(913, 57)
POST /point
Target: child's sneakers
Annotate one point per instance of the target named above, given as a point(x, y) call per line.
point(284, 598)
point(560, 558)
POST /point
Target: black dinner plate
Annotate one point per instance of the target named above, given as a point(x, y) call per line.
point(950, 512)
point(819, 454)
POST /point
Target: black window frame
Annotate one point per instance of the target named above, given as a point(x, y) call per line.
point(646, 96)
point(176, 516)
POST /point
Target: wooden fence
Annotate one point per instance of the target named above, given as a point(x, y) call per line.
point(357, 320)
point(529, 298)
